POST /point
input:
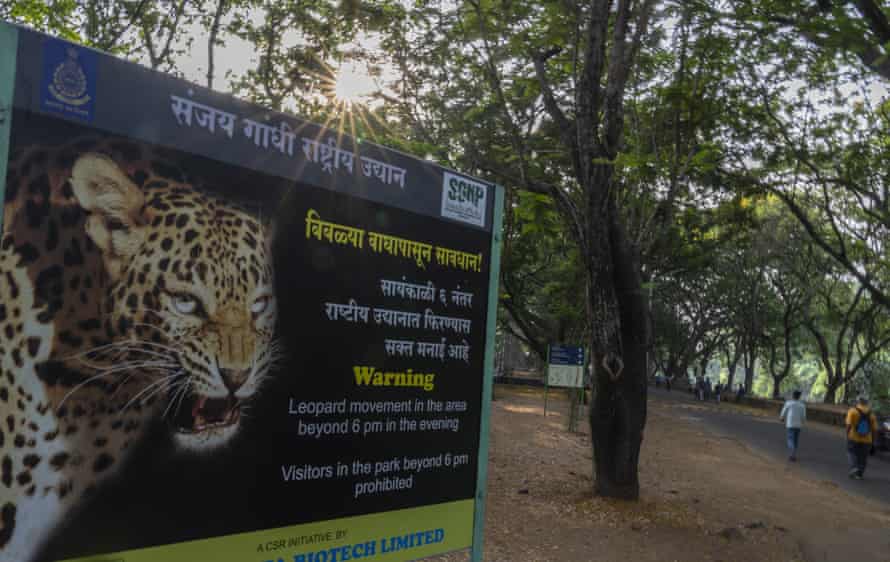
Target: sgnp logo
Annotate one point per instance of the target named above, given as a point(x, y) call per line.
point(69, 80)
point(464, 199)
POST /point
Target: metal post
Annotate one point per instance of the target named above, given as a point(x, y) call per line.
point(546, 379)
point(484, 422)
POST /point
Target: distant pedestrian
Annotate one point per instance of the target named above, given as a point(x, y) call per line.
point(667, 382)
point(741, 393)
point(794, 414)
point(861, 428)
point(718, 390)
point(708, 388)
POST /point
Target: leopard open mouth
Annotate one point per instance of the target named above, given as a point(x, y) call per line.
point(200, 413)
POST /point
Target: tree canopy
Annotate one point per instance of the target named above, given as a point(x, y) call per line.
point(694, 183)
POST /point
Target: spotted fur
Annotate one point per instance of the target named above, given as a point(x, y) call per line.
point(127, 295)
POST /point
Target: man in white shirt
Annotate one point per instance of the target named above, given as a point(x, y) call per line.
point(794, 414)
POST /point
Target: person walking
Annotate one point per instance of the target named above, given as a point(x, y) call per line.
point(718, 389)
point(794, 414)
point(861, 428)
point(667, 382)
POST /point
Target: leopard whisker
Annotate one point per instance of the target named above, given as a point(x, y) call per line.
point(168, 369)
point(123, 383)
point(152, 344)
point(142, 364)
point(182, 395)
point(99, 349)
point(118, 349)
point(180, 387)
point(141, 371)
point(124, 351)
point(99, 353)
point(160, 388)
point(105, 373)
point(152, 386)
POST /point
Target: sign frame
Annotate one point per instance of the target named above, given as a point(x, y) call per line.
point(9, 41)
point(488, 384)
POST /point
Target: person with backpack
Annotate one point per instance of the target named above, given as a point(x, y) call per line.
point(861, 428)
point(794, 414)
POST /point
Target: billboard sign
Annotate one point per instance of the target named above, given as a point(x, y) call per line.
point(229, 334)
point(565, 366)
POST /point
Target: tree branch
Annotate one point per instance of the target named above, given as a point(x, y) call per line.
point(561, 199)
point(133, 17)
point(556, 113)
point(588, 93)
point(211, 41)
point(824, 353)
point(871, 56)
point(875, 18)
point(876, 293)
point(621, 61)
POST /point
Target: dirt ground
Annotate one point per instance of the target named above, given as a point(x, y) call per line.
point(703, 497)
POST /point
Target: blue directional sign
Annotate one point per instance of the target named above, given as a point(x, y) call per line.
point(566, 355)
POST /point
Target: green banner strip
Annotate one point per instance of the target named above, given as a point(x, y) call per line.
point(9, 42)
point(405, 534)
point(493, 292)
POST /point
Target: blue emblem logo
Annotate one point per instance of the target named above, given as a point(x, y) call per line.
point(69, 80)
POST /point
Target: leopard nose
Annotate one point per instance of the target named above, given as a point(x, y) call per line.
point(234, 378)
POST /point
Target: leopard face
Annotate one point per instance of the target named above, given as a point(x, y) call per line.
point(189, 304)
point(127, 295)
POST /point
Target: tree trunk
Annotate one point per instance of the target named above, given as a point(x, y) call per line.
point(831, 392)
point(777, 384)
point(618, 414)
point(670, 368)
point(732, 362)
point(750, 360)
point(703, 364)
point(678, 369)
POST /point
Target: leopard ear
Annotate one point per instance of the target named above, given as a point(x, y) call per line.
point(115, 207)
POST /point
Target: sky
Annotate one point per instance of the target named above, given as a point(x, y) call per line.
point(238, 56)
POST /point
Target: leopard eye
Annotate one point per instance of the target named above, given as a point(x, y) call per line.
point(185, 303)
point(260, 305)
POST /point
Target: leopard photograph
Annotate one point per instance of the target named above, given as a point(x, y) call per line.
point(132, 297)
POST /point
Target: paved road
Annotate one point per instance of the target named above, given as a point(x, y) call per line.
point(822, 451)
